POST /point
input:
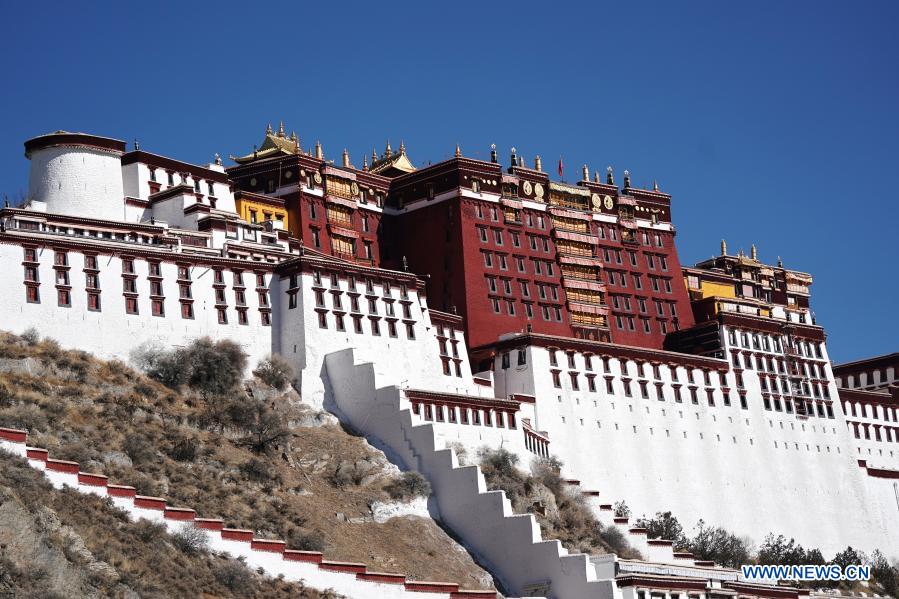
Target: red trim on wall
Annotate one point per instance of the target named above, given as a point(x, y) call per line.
point(295, 555)
point(179, 513)
point(120, 491)
point(93, 480)
point(383, 577)
point(268, 545)
point(149, 503)
point(433, 587)
point(62, 466)
point(209, 523)
point(352, 567)
point(13, 434)
point(237, 534)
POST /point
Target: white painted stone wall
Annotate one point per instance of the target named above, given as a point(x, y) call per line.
point(78, 181)
point(413, 363)
point(510, 545)
point(749, 470)
point(111, 333)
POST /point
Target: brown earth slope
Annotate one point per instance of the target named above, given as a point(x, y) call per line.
point(312, 489)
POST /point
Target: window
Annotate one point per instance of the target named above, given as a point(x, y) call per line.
point(130, 305)
point(158, 307)
point(557, 380)
point(93, 302)
point(187, 310)
point(32, 295)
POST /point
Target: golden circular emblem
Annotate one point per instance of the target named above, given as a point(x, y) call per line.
point(354, 188)
point(608, 202)
point(253, 182)
point(538, 190)
point(288, 174)
point(527, 188)
point(596, 201)
point(317, 177)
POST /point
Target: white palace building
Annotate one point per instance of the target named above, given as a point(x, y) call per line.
point(737, 421)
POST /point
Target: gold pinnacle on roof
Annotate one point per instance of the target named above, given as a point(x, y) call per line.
point(753, 252)
point(268, 130)
point(610, 178)
point(388, 151)
point(364, 162)
point(346, 158)
point(585, 173)
point(402, 147)
point(723, 248)
point(281, 129)
point(655, 185)
point(458, 151)
point(538, 163)
point(319, 153)
point(627, 179)
point(374, 155)
point(596, 177)
point(293, 136)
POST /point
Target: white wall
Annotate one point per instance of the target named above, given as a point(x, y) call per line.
point(78, 181)
point(752, 471)
point(111, 333)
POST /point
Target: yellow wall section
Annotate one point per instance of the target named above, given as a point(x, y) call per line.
point(244, 207)
point(710, 289)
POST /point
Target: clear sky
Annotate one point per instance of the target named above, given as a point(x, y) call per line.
point(775, 123)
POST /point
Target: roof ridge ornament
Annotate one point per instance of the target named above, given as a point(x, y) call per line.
point(458, 151)
point(610, 176)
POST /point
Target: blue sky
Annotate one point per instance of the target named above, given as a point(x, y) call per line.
point(775, 123)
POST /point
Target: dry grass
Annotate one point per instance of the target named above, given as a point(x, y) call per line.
point(136, 550)
point(98, 412)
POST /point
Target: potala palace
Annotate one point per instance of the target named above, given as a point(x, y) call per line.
point(481, 303)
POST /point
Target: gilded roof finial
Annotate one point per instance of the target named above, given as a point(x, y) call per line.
point(458, 151)
point(538, 163)
point(627, 179)
point(364, 163)
point(493, 153)
point(402, 147)
point(596, 177)
point(610, 178)
point(514, 158)
point(218, 159)
point(780, 263)
point(374, 155)
point(293, 136)
point(655, 185)
point(136, 145)
point(319, 153)
point(388, 151)
point(723, 248)
point(585, 173)
point(268, 130)
point(753, 252)
point(521, 161)
point(346, 158)
point(281, 129)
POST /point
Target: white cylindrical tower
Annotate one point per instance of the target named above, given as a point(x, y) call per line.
point(77, 174)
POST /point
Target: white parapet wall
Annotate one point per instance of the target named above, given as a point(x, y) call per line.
point(510, 545)
point(352, 580)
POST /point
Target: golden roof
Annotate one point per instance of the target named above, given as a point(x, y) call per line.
point(275, 144)
point(390, 164)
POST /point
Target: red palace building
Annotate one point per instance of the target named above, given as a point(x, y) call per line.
point(503, 246)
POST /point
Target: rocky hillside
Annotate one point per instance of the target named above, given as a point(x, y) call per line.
point(261, 461)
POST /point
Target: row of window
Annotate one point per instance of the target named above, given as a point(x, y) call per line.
point(620, 278)
point(549, 313)
point(544, 291)
point(623, 302)
point(352, 284)
point(338, 305)
point(763, 342)
point(863, 431)
point(608, 253)
point(871, 411)
point(502, 261)
point(465, 415)
point(374, 324)
point(170, 181)
point(802, 407)
point(627, 323)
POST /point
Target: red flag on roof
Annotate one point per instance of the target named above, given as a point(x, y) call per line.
point(560, 166)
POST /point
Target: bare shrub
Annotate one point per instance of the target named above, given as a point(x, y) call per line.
point(190, 540)
point(409, 485)
point(305, 540)
point(258, 470)
point(138, 448)
point(275, 371)
point(236, 577)
point(31, 336)
point(621, 510)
